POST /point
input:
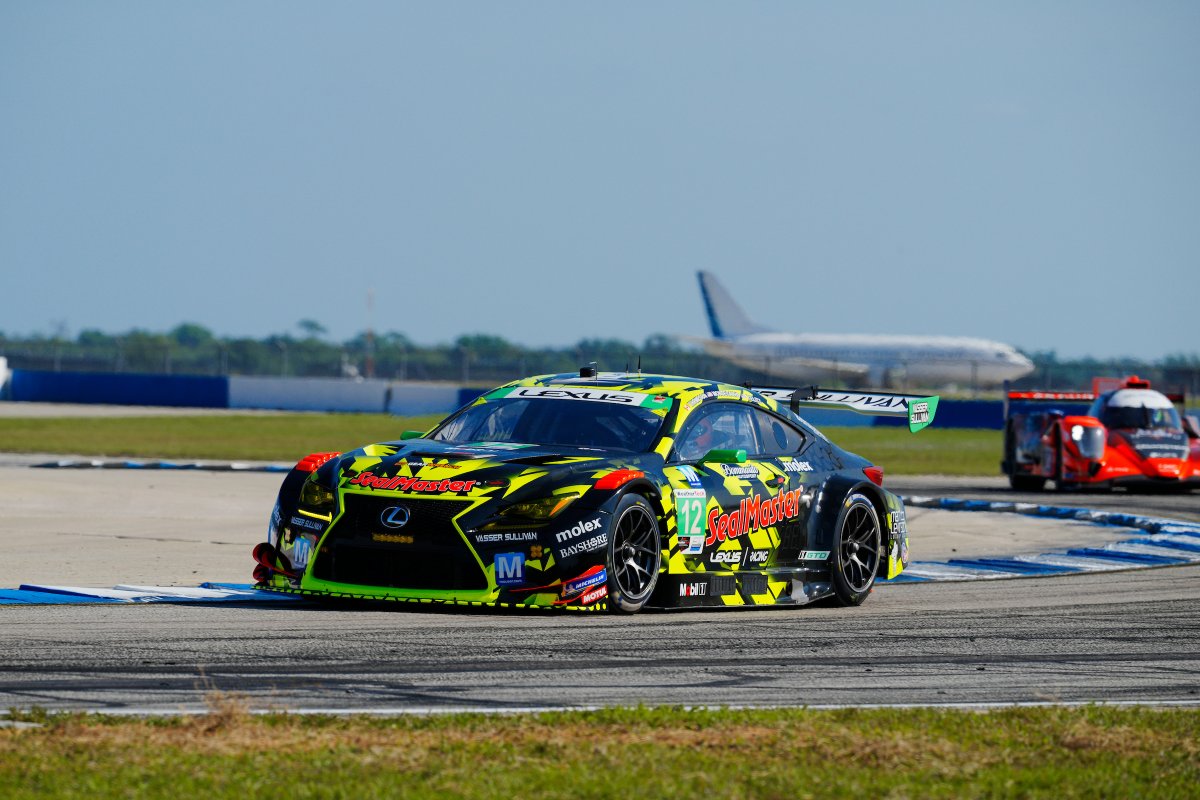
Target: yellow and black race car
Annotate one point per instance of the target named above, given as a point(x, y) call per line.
point(599, 491)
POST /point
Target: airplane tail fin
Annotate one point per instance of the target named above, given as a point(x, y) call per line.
point(725, 317)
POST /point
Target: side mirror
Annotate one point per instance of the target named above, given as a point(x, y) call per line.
point(718, 456)
point(1191, 426)
point(412, 435)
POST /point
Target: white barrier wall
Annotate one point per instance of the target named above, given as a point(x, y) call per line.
point(339, 394)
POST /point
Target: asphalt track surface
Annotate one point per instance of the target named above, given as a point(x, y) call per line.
point(1129, 636)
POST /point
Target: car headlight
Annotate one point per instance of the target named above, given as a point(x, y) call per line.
point(545, 508)
point(315, 496)
point(1089, 439)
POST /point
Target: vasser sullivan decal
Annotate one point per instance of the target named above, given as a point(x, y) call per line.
point(752, 513)
point(370, 481)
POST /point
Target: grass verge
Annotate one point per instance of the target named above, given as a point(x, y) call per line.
point(644, 753)
point(288, 437)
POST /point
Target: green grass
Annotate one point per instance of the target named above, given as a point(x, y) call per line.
point(274, 437)
point(287, 437)
point(933, 451)
point(634, 753)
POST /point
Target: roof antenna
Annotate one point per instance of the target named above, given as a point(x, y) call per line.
point(639, 365)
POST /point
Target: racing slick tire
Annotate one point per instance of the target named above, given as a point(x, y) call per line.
point(1060, 483)
point(1026, 483)
point(634, 555)
point(856, 555)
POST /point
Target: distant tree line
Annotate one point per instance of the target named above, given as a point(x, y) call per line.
point(475, 359)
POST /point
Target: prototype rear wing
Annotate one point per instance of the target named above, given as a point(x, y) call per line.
point(919, 410)
point(1038, 396)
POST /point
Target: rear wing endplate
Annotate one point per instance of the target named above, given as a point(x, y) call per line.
point(919, 410)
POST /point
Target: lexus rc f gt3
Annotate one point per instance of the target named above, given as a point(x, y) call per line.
point(599, 492)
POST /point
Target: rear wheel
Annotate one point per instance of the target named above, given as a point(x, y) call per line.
point(857, 557)
point(1027, 483)
point(634, 555)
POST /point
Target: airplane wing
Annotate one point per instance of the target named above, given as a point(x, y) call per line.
point(919, 410)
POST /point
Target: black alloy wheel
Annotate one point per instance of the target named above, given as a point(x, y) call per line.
point(858, 555)
point(634, 555)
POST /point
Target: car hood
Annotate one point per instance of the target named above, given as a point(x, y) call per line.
point(426, 467)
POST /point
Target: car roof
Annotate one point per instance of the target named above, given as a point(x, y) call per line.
point(687, 390)
point(1136, 398)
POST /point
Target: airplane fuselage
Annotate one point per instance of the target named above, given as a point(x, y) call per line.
point(897, 361)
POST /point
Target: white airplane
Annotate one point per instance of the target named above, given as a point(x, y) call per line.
point(856, 359)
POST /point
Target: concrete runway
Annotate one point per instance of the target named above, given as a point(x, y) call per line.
point(1126, 636)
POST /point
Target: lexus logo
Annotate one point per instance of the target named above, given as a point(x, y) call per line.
point(394, 516)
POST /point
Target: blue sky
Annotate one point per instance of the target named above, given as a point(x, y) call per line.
point(551, 171)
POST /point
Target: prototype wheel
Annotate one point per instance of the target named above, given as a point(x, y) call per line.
point(1060, 469)
point(634, 555)
point(857, 555)
point(1027, 483)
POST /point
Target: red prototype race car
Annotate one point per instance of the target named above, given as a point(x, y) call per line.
point(1129, 435)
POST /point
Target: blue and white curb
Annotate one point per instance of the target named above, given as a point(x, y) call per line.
point(223, 466)
point(1169, 542)
point(1161, 542)
point(205, 593)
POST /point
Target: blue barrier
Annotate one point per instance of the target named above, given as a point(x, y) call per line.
point(363, 396)
point(192, 391)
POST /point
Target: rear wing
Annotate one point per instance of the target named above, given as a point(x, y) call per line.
point(1099, 386)
point(919, 410)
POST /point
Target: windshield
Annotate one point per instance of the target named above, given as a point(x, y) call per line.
point(545, 421)
point(1140, 417)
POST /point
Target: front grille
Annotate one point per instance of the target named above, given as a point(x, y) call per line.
point(426, 553)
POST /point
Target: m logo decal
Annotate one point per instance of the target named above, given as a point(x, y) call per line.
point(510, 569)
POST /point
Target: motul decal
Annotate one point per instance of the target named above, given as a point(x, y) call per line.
point(370, 481)
point(752, 513)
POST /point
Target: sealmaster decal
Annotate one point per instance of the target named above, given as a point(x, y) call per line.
point(752, 513)
point(370, 481)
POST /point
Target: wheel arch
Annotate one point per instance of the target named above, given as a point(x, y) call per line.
point(653, 495)
point(842, 488)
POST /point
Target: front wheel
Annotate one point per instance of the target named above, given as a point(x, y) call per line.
point(1060, 469)
point(1026, 483)
point(857, 554)
point(634, 555)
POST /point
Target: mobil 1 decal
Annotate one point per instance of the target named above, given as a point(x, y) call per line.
point(690, 519)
